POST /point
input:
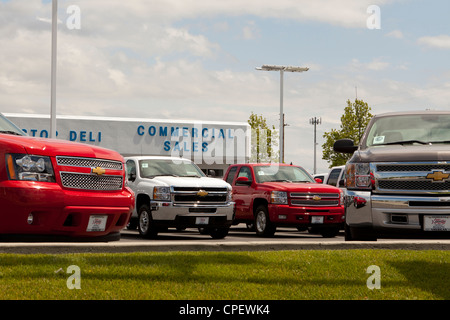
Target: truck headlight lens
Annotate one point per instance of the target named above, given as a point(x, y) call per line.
point(161, 193)
point(358, 176)
point(229, 196)
point(29, 167)
point(279, 197)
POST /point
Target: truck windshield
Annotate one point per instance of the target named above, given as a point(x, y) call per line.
point(166, 167)
point(275, 173)
point(410, 129)
point(7, 127)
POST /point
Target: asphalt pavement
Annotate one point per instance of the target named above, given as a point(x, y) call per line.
point(239, 239)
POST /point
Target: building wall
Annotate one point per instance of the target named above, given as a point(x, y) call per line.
point(211, 145)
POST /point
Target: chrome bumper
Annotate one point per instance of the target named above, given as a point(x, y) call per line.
point(391, 212)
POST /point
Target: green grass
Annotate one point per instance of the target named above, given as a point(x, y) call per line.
point(267, 275)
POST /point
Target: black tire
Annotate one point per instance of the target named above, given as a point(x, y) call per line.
point(219, 233)
point(132, 224)
point(145, 223)
point(359, 234)
point(329, 232)
point(263, 226)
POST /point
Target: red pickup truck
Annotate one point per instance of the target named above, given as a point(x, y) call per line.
point(62, 188)
point(267, 196)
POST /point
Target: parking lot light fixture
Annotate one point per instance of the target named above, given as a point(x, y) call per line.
point(281, 69)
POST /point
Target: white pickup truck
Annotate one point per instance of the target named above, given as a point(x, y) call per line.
point(174, 192)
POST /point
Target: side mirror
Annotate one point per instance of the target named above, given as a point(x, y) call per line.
point(318, 180)
point(243, 181)
point(132, 175)
point(344, 146)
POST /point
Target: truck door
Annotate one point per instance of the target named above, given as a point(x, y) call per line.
point(242, 193)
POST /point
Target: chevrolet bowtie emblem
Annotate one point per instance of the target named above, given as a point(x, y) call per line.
point(316, 198)
point(202, 193)
point(438, 176)
point(98, 171)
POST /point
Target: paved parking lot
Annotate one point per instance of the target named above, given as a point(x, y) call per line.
point(239, 239)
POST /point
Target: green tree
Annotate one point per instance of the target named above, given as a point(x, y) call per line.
point(263, 140)
point(354, 121)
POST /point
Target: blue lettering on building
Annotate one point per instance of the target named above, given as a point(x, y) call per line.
point(85, 136)
point(185, 132)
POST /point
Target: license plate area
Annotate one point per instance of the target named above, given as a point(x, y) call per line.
point(97, 223)
point(202, 220)
point(436, 223)
point(316, 219)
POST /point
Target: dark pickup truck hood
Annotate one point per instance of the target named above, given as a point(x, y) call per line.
point(55, 147)
point(403, 153)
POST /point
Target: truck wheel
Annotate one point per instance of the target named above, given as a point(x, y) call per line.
point(263, 226)
point(132, 224)
point(329, 232)
point(218, 233)
point(362, 234)
point(145, 225)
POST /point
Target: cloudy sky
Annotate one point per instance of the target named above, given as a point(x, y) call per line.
point(196, 60)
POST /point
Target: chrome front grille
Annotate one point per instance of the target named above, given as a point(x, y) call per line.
point(306, 199)
point(194, 196)
point(88, 162)
point(411, 177)
point(90, 181)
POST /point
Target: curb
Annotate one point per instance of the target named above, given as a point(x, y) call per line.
point(128, 247)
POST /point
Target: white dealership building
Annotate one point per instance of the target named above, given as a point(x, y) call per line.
point(212, 145)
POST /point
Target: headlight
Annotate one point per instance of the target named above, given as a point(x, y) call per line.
point(278, 197)
point(229, 195)
point(161, 193)
point(29, 167)
point(358, 176)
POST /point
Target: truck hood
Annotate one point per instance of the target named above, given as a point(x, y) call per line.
point(190, 181)
point(299, 187)
point(55, 147)
point(403, 153)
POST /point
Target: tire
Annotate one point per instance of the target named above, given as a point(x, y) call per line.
point(263, 226)
point(145, 223)
point(219, 233)
point(132, 224)
point(359, 234)
point(329, 232)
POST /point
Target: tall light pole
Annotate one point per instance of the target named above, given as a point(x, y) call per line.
point(53, 75)
point(282, 69)
point(315, 121)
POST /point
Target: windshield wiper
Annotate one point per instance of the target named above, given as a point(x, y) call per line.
point(10, 132)
point(161, 175)
point(403, 142)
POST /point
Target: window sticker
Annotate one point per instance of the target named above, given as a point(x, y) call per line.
point(145, 165)
point(378, 139)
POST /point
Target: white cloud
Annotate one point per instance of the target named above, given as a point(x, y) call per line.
point(441, 41)
point(376, 64)
point(397, 34)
